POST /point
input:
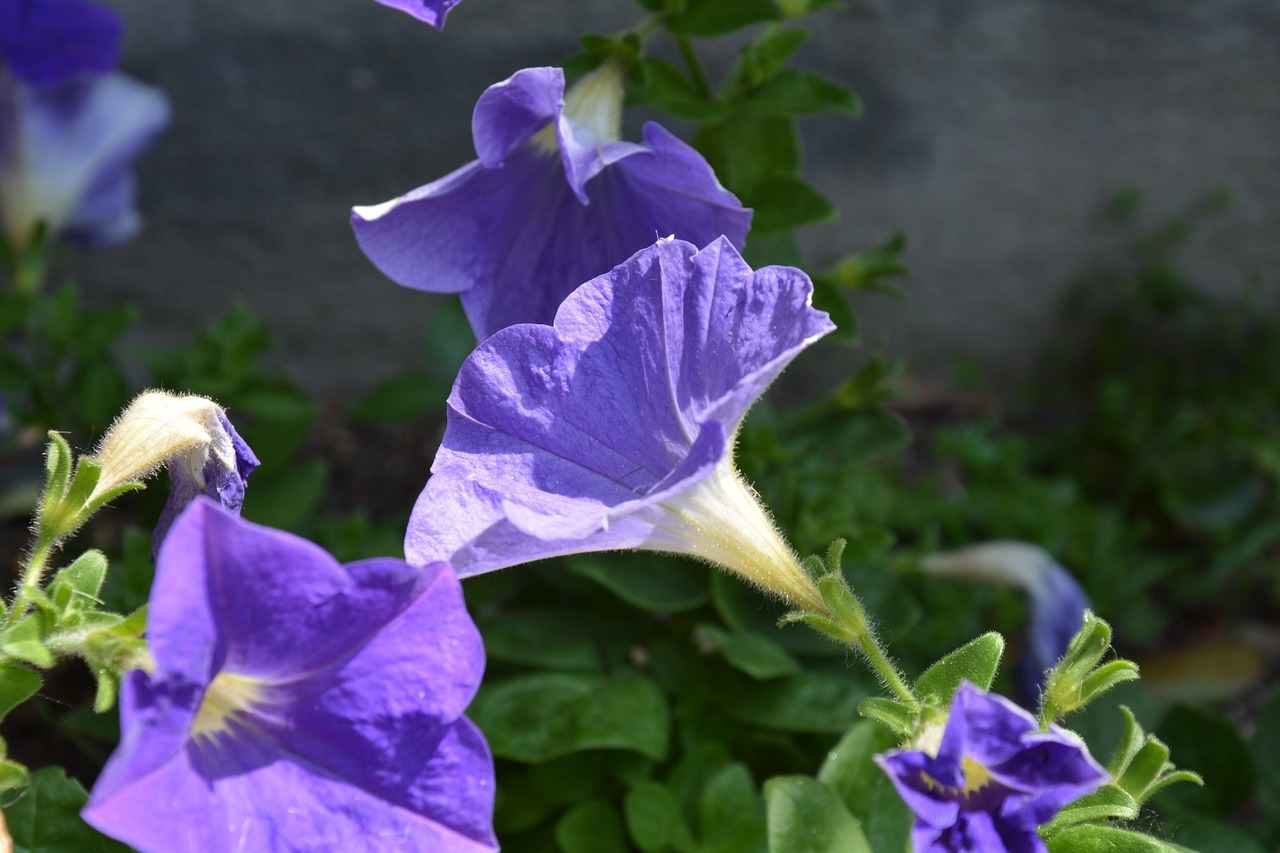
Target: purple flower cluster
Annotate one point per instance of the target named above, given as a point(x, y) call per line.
point(70, 127)
point(994, 777)
point(297, 704)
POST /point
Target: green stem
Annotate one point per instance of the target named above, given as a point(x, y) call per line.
point(879, 660)
point(695, 67)
point(32, 573)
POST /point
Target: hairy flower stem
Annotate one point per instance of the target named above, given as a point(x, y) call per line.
point(32, 573)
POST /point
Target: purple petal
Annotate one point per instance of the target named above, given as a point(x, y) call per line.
point(568, 438)
point(67, 156)
point(431, 11)
point(355, 740)
point(1057, 605)
point(50, 41)
point(510, 233)
point(985, 727)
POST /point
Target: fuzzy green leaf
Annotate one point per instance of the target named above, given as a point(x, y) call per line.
point(805, 816)
point(975, 661)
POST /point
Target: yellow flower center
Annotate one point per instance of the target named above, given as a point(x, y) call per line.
point(228, 699)
point(977, 778)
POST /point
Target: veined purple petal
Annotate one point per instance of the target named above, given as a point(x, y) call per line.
point(539, 214)
point(613, 428)
point(43, 42)
point(65, 158)
point(431, 11)
point(353, 680)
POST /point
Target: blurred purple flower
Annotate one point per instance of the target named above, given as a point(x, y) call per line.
point(614, 428)
point(554, 199)
point(297, 704)
point(50, 41)
point(1056, 601)
point(993, 779)
point(431, 11)
point(68, 131)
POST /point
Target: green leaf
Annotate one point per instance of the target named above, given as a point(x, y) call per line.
point(57, 466)
point(25, 641)
point(77, 586)
point(668, 89)
point(554, 638)
point(809, 701)
point(592, 827)
point(752, 653)
point(1104, 839)
point(731, 816)
point(655, 821)
point(890, 713)
point(795, 92)
point(13, 775)
point(783, 202)
point(865, 789)
point(1108, 802)
point(805, 816)
point(746, 149)
point(1131, 740)
point(538, 717)
point(659, 584)
point(17, 685)
point(975, 661)
point(45, 818)
point(764, 57)
point(1210, 745)
point(716, 17)
point(1266, 741)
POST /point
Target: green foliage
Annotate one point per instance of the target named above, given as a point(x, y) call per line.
point(45, 818)
point(805, 816)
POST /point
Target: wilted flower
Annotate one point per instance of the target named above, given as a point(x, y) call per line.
point(1056, 600)
point(69, 131)
point(555, 199)
point(297, 704)
point(994, 778)
point(614, 428)
point(192, 436)
point(431, 11)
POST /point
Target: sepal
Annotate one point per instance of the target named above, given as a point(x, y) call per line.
point(897, 716)
point(1078, 679)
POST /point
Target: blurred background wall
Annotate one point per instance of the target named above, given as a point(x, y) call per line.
point(994, 133)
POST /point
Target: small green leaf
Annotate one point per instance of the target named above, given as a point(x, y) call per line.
point(866, 790)
point(13, 775)
point(1105, 839)
point(731, 816)
point(766, 55)
point(805, 816)
point(662, 585)
point(57, 466)
point(1108, 802)
point(782, 202)
point(542, 716)
point(891, 713)
point(795, 92)
point(45, 818)
point(17, 685)
point(655, 821)
point(806, 702)
point(1132, 738)
point(975, 661)
point(1105, 677)
point(77, 586)
point(593, 827)
point(716, 17)
point(25, 641)
point(668, 89)
point(752, 653)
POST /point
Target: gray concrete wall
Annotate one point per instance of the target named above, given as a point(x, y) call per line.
point(993, 135)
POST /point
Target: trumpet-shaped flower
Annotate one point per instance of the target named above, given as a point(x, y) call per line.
point(614, 428)
point(431, 11)
point(190, 434)
point(69, 133)
point(555, 198)
point(1056, 600)
point(993, 779)
point(297, 704)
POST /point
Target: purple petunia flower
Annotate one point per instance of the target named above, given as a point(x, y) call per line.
point(1056, 600)
point(69, 133)
point(50, 41)
point(554, 199)
point(614, 428)
point(297, 704)
point(431, 11)
point(993, 779)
